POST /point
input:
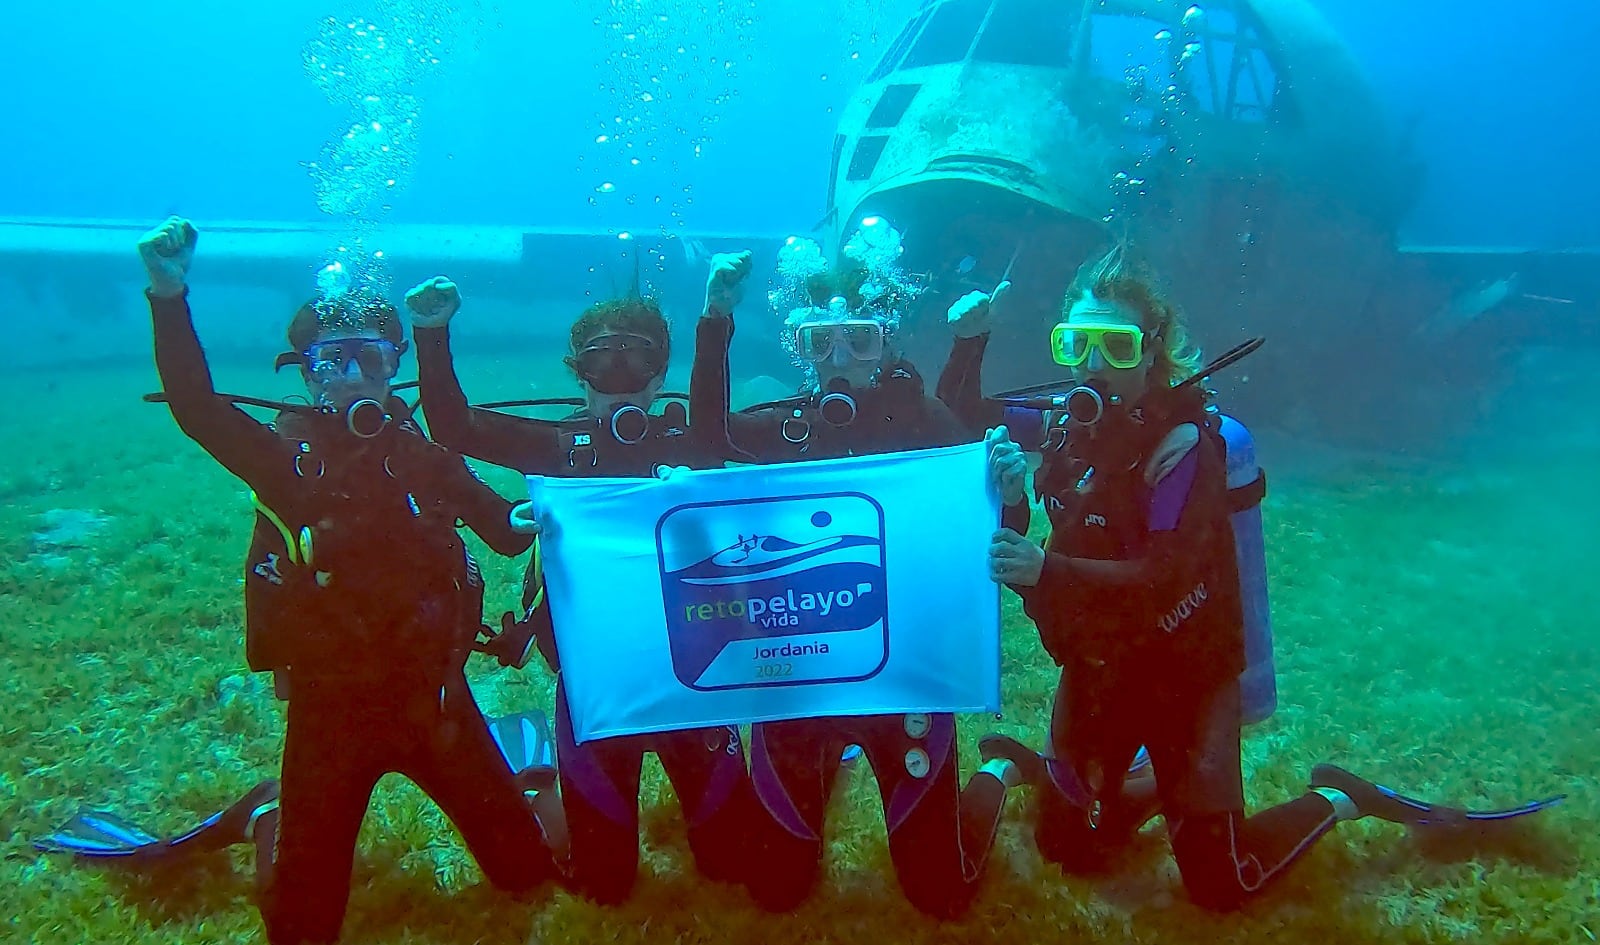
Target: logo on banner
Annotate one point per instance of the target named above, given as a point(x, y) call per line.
point(773, 592)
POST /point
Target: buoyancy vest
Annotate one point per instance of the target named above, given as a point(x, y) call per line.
point(359, 571)
point(1186, 617)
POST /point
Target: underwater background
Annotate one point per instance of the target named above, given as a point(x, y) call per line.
point(1433, 594)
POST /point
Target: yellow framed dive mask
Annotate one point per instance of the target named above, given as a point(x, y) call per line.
point(1121, 345)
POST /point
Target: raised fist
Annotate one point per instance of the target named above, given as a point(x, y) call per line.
point(433, 303)
point(167, 252)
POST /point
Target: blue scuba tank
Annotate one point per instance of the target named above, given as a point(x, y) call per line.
point(1258, 685)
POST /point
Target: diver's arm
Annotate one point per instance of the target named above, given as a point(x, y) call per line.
point(942, 426)
point(1017, 517)
point(718, 431)
point(961, 384)
point(242, 444)
point(710, 399)
point(961, 389)
point(482, 509)
point(488, 435)
point(1060, 569)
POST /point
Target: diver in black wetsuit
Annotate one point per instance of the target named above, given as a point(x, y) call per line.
point(619, 352)
point(866, 401)
point(1136, 597)
point(360, 596)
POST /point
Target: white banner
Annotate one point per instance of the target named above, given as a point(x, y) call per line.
point(852, 586)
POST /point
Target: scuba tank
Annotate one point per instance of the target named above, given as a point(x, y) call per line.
point(1247, 486)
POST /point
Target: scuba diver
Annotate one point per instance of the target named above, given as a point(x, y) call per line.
point(619, 352)
point(860, 398)
point(1137, 597)
point(359, 593)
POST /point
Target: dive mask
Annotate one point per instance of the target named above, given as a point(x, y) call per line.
point(620, 363)
point(378, 359)
point(1121, 345)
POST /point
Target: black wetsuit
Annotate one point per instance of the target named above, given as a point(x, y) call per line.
point(371, 631)
point(939, 834)
point(600, 778)
point(1150, 645)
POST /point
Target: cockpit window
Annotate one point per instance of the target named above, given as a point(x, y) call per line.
point(1120, 43)
point(1208, 57)
point(1237, 79)
point(949, 35)
point(1215, 62)
point(892, 106)
point(891, 59)
point(865, 159)
point(1028, 33)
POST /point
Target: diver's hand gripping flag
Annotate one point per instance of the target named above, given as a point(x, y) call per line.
point(852, 586)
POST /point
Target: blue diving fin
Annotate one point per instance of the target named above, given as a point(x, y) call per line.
point(525, 741)
point(104, 835)
point(1384, 803)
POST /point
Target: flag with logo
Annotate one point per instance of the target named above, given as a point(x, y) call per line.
point(852, 586)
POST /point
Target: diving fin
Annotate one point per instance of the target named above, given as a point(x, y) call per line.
point(96, 833)
point(524, 740)
point(104, 835)
point(1376, 800)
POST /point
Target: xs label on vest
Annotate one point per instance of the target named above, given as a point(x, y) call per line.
point(775, 592)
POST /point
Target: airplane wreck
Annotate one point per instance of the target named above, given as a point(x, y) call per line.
point(1236, 146)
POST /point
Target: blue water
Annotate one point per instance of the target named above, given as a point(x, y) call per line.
point(136, 110)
